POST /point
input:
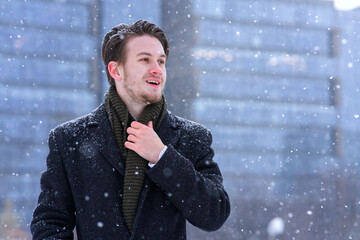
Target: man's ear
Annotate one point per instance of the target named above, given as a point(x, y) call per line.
point(114, 70)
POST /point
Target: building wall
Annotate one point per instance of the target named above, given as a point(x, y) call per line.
point(275, 81)
point(46, 65)
point(268, 76)
point(349, 110)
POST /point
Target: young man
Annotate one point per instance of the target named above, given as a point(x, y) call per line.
point(130, 169)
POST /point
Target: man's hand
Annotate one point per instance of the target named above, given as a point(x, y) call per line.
point(144, 141)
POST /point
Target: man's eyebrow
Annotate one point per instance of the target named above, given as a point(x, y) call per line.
point(149, 54)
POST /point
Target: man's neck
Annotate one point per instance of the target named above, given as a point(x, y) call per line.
point(135, 109)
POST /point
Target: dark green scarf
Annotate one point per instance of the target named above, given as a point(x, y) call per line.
point(120, 119)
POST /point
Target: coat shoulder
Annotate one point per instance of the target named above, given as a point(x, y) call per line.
point(188, 125)
point(73, 127)
point(191, 128)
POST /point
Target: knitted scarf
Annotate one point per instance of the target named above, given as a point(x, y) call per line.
point(121, 119)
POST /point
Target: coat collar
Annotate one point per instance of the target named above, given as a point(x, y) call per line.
point(104, 138)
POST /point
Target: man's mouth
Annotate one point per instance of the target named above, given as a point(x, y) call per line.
point(153, 82)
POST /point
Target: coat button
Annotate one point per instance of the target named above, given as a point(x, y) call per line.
point(120, 194)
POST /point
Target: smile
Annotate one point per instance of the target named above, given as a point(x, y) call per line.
point(153, 82)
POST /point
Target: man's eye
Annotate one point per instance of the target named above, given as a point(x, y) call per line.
point(161, 62)
point(144, 59)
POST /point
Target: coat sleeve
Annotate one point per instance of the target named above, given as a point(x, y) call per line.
point(193, 184)
point(54, 216)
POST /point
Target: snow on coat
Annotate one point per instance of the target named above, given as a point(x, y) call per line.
point(83, 184)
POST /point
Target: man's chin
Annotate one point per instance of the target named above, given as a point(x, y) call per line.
point(153, 100)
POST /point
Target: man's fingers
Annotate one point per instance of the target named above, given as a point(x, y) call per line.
point(136, 128)
point(130, 146)
point(143, 140)
point(131, 130)
point(137, 125)
point(131, 138)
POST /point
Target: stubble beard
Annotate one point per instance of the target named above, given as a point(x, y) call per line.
point(142, 97)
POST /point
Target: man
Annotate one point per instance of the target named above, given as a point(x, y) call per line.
point(130, 169)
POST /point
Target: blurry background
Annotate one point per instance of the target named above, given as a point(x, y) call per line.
point(275, 80)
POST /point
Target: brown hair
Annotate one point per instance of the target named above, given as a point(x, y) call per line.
point(113, 46)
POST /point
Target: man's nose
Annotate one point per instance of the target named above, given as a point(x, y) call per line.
point(156, 70)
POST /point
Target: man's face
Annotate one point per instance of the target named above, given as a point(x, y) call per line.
point(143, 72)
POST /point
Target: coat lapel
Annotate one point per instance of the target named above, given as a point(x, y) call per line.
point(168, 130)
point(101, 134)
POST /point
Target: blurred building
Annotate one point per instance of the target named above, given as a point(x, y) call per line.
point(275, 81)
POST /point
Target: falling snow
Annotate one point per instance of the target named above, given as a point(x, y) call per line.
point(274, 81)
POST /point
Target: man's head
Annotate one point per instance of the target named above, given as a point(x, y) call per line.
point(115, 42)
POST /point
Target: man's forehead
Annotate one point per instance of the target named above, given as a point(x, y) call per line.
point(159, 53)
point(145, 45)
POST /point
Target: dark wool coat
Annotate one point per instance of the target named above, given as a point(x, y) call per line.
point(83, 184)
